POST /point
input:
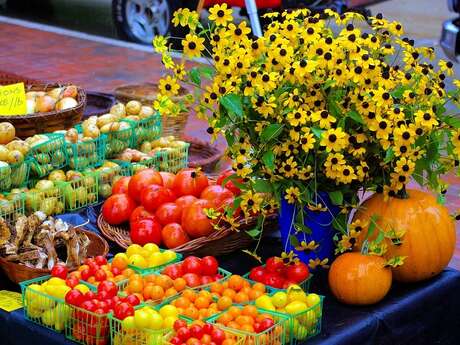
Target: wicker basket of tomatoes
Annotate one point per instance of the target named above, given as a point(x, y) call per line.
point(181, 212)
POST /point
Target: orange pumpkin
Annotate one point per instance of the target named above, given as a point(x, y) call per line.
point(429, 238)
point(359, 279)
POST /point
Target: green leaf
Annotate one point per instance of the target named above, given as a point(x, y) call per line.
point(232, 103)
point(294, 241)
point(389, 155)
point(336, 197)
point(317, 132)
point(271, 132)
point(334, 108)
point(299, 227)
point(206, 71)
point(254, 233)
point(398, 92)
point(372, 225)
point(380, 237)
point(328, 84)
point(263, 186)
point(269, 160)
point(195, 76)
point(236, 181)
point(230, 138)
point(452, 121)
point(355, 116)
point(340, 223)
point(441, 199)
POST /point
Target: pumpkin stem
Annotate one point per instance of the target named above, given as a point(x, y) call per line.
point(402, 194)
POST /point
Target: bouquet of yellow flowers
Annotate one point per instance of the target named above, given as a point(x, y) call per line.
point(320, 108)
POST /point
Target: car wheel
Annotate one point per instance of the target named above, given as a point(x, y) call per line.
point(141, 20)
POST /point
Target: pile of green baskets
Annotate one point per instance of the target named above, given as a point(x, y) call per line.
point(14, 175)
point(81, 192)
point(147, 129)
point(48, 156)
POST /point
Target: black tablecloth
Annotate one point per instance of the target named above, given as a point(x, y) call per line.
point(423, 313)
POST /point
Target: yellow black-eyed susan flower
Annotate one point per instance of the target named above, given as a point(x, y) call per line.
point(193, 45)
point(220, 14)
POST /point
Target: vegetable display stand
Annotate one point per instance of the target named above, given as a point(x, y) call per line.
point(118, 141)
point(305, 285)
point(173, 159)
point(14, 175)
point(42, 308)
point(50, 201)
point(86, 327)
point(275, 335)
point(12, 207)
point(87, 154)
point(147, 129)
point(80, 193)
point(48, 156)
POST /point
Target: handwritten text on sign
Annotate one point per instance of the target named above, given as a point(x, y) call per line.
point(12, 99)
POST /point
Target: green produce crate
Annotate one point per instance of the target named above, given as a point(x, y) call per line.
point(49, 155)
point(87, 328)
point(305, 285)
point(121, 336)
point(15, 175)
point(271, 336)
point(87, 154)
point(134, 167)
point(172, 159)
point(156, 269)
point(50, 201)
point(12, 206)
point(147, 129)
point(42, 308)
point(80, 193)
point(107, 176)
point(118, 141)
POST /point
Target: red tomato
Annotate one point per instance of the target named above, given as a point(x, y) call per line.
point(74, 297)
point(297, 272)
point(205, 280)
point(59, 271)
point(173, 271)
point(229, 185)
point(257, 274)
point(209, 265)
point(145, 231)
point(169, 213)
point(218, 336)
point(194, 221)
point(71, 282)
point(100, 275)
point(173, 235)
point(227, 205)
point(185, 200)
point(140, 213)
point(88, 305)
point(100, 260)
point(274, 264)
point(133, 300)
point(192, 279)
point(183, 333)
point(118, 208)
point(179, 324)
point(141, 180)
point(121, 186)
point(208, 328)
point(123, 310)
point(168, 179)
point(190, 182)
point(274, 280)
point(85, 274)
point(78, 331)
point(192, 264)
point(196, 331)
point(216, 194)
point(175, 340)
point(266, 324)
point(90, 295)
point(154, 196)
point(109, 287)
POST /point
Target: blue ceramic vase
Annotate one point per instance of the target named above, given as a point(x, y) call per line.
point(320, 223)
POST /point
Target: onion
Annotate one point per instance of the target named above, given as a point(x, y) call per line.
point(70, 91)
point(66, 103)
point(30, 106)
point(145, 112)
point(118, 110)
point(45, 104)
point(55, 93)
point(7, 132)
point(133, 107)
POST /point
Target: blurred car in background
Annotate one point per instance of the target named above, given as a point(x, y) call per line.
point(450, 38)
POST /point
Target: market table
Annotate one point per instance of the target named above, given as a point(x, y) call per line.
point(423, 313)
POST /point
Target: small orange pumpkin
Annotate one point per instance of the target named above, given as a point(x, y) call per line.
point(429, 239)
point(359, 279)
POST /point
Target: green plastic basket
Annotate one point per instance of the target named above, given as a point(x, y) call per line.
point(42, 308)
point(147, 129)
point(107, 176)
point(122, 336)
point(305, 285)
point(12, 207)
point(49, 155)
point(87, 328)
point(80, 193)
point(50, 201)
point(134, 167)
point(87, 154)
point(275, 335)
point(15, 175)
point(118, 141)
point(172, 159)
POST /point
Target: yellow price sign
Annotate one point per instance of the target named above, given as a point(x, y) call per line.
point(13, 99)
point(10, 300)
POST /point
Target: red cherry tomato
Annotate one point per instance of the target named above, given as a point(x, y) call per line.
point(72, 282)
point(216, 194)
point(192, 264)
point(169, 213)
point(194, 220)
point(140, 213)
point(173, 271)
point(175, 340)
point(90, 295)
point(190, 182)
point(59, 271)
point(266, 324)
point(145, 231)
point(85, 274)
point(154, 196)
point(88, 305)
point(183, 333)
point(100, 275)
point(257, 274)
point(229, 185)
point(192, 279)
point(118, 208)
point(123, 310)
point(121, 186)
point(173, 235)
point(209, 265)
point(109, 287)
point(168, 179)
point(208, 328)
point(297, 272)
point(100, 260)
point(196, 331)
point(185, 200)
point(74, 297)
point(205, 280)
point(103, 296)
point(141, 180)
point(133, 300)
point(218, 336)
point(179, 323)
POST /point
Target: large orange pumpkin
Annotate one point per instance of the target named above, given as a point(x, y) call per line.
point(359, 279)
point(429, 238)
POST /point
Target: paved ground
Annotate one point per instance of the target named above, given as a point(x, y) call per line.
point(102, 67)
